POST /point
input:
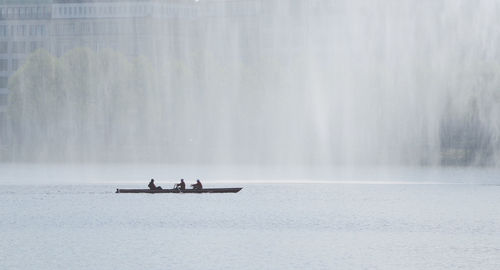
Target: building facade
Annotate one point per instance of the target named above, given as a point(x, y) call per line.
point(131, 27)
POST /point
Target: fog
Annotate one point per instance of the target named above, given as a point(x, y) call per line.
point(274, 83)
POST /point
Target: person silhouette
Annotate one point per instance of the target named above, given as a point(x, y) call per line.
point(198, 184)
point(181, 185)
point(152, 185)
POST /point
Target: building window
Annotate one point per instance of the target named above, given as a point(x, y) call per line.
point(57, 29)
point(23, 30)
point(18, 47)
point(3, 30)
point(69, 28)
point(4, 64)
point(33, 46)
point(3, 100)
point(3, 82)
point(4, 46)
point(15, 64)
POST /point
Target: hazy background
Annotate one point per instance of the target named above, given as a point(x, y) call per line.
point(364, 133)
point(288, 83)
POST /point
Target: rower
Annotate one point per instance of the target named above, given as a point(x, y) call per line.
point(198, 184)
point(152, 185)
point(181, 185)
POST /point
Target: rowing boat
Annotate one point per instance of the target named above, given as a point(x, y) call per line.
point(204, 190)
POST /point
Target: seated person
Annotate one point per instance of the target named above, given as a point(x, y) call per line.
point(181, 185)
point(152, 185)
point(198, 184)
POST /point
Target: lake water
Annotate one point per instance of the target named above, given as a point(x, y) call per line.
point(265, 226)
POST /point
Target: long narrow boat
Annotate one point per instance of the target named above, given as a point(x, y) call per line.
point(204, 190)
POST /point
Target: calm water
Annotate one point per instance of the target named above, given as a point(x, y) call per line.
point(273, 226)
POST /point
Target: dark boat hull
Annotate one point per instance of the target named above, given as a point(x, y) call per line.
point(205, 190)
